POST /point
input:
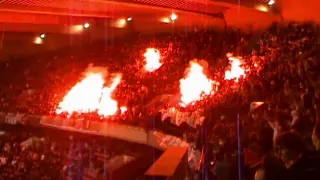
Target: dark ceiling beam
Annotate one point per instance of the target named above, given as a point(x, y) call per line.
point(204, 12)
point(54, 11)
point(27, 18)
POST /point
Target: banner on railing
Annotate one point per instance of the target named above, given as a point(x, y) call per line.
point(177, 117)
point(163, 141)
point(15, 118)
point(110, 129)
point(19, 118)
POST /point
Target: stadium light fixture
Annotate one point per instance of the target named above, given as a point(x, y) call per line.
point(86, 25)
point(38, 40)
point(165, 20)
point(75, 29)
point(121, 23)
point(42, 36)
point(262, 8)
point(271, 2)
point(173, 17)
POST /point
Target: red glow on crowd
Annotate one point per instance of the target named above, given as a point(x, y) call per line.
point(236, 71)
point(152, 59)
point(107, 105)
point(123, 109)
point(91, 94)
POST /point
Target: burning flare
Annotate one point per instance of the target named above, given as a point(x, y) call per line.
point(195, 85)
point(90, 95)
point(107, 105)
point(236, 70)
point(84, 96)
point(152, 58)
point(123, 109)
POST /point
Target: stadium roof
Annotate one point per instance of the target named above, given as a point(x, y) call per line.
point(59, 17)
point(143, 12)
point(54, 15)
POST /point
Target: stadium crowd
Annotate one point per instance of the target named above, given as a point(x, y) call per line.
point(287, 124)
point(280, 138)
point(25, 156)
point(33, 153)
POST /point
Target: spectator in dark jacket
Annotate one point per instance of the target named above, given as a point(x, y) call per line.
point(301, 164)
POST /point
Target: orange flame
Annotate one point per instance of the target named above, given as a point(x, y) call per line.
point(152, 58)
point(123, 109)
point(236, 70)
point(107, 105)
point(195, 85)
point(90, 95)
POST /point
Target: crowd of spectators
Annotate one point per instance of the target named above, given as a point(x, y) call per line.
point(47, 155)
point(63, 70)
point(284, 77)
point(32, 160)
point(287, 124)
